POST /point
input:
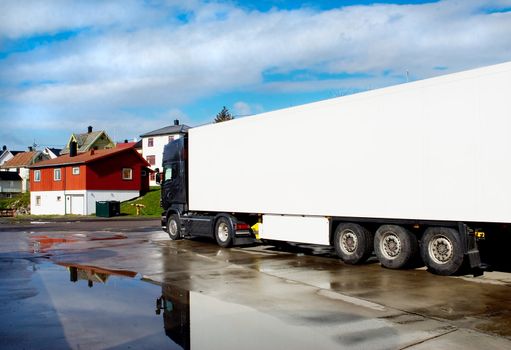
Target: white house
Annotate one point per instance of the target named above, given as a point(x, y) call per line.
point(10, 183)
point(20, 164)
point(52, 152)
point(153, 143)
point(6, 155)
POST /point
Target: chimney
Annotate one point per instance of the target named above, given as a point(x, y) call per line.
point(4, 148)
point(73, 149)
point(30, 149)
point(89, 129)
point(92, 151)
point(125, 141)
point(176, 121)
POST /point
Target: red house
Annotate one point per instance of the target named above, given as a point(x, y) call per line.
point(73, 183)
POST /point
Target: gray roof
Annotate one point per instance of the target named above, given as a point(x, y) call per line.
point(167, 130)
point(9, 176)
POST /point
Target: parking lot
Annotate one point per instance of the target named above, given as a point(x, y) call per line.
point(124, 284)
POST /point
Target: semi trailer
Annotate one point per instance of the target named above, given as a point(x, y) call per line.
point(418, 172)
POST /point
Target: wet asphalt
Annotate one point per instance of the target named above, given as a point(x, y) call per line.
point(121, 284)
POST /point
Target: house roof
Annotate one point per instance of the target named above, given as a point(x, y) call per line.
point(22, 160)
point(55, 151)
point(167, 130)
point(9, 176)
point(125, 145)
point(13, 153)
point(87, 157)
point(85, 141)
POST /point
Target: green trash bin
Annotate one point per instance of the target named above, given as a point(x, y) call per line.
point(108, 209)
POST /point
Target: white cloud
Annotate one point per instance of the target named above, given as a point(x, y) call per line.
point(131, 58)
point(20, 18)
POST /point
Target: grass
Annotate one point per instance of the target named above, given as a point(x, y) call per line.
point(21, 200)
point(150, 201)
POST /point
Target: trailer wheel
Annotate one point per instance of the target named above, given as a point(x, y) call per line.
point(174, 227)
point(395, 246)
point(441, 250)
point(224, 232)
point(353, 243)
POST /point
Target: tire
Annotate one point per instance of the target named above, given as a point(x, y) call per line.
point(441, 250)
point(395, 247)
point(353, 243)
point(224, 232)
point(174, 227)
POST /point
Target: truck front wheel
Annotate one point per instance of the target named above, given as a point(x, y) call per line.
point(395, 246)
point(174, 227)
point(441, 250)
point(224, 232)
point(353, 243)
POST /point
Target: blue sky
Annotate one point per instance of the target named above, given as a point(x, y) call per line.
point(132, 66)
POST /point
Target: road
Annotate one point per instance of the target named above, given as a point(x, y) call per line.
point(123, 284)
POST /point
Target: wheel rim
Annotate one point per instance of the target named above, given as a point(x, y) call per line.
point(173, 227)
point(390, 246)
point(223, 232)
point(349, 242)
point(440, 249)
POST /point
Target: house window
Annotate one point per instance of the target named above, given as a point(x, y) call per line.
point(127, 173)
point(37, 175)
point(56, 175)
point(152, 177)
point(38, 200)
point(76, 170)
point(150, 142)
point(151, 160)
point(171, 138)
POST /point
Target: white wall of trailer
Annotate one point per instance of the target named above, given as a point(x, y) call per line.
point(74, 202)
point(434, 149)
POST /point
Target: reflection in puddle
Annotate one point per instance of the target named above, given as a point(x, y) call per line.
point(175, 304)
point(93, 274)
point(119, 312)
point(44, 243)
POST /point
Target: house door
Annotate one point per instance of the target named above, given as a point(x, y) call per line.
point(75, 204)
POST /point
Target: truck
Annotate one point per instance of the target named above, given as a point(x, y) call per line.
point(418, 173)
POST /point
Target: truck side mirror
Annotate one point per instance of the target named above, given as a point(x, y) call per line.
point(158, 176)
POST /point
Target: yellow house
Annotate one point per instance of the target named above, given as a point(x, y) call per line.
point(89, 140)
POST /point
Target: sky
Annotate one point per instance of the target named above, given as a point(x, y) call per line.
point(133, 66)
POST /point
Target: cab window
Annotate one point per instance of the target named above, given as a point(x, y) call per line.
point(170, 172)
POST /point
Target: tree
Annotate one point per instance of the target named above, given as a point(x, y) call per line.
point(223, 115)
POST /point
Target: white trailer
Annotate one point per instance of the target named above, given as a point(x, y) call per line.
point(422, 166)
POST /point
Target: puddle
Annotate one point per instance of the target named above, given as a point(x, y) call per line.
point(46, 305)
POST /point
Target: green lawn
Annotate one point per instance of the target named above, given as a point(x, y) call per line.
point(151, 202)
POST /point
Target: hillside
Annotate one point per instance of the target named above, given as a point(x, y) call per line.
point(150, 202)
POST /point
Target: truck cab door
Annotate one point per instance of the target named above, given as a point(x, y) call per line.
point(173, 184)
